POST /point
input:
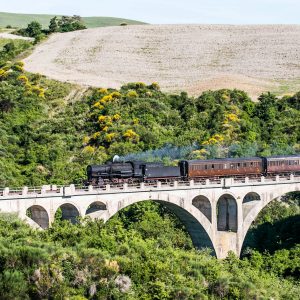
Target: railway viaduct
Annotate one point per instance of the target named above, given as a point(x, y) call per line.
point(217, 214)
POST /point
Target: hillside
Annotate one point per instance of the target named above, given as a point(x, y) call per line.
point(254, 58)
point(21, 20)
point(50, 131)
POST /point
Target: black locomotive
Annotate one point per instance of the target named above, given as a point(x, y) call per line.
point(131, 171)
point(139, 171)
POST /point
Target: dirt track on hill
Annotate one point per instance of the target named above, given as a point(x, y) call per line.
point(7, 35)
point(193, 58)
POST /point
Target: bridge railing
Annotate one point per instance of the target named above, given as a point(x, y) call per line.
point(79, 189)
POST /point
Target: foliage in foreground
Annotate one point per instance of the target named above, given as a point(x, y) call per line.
point(143, 253)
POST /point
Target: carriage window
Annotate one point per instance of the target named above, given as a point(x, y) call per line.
point(238, 164)
point(232, 166)
point(212, 166)
point(205, 167)
point(251, 164)
point(245, 164)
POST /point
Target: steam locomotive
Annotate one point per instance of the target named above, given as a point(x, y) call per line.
point(139, 171)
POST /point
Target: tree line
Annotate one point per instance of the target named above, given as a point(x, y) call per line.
point(57, 24)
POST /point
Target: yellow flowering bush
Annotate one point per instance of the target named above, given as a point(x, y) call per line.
point(199, 154)
point(116, 117)
point(132, 94)
point(98, 105)
point(96, 135)
point(155, 86)
point(231, 117)
point(19, 63)
point(131, 135)
point(23, 78)
point(89, 150)
point(102, 119)
point(116, 95)
point(110, 136)
point(86, 140)
point(38, 91)
point(3, 73)
point(103, 91)
point(215, 139)
point(106, 99)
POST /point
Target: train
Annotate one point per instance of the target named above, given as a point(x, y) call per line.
point(140, 171)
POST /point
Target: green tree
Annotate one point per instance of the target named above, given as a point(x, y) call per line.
point(73, 23)
point(34, 29)
point(53, 26)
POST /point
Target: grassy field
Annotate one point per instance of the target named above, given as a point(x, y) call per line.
point(21, 20)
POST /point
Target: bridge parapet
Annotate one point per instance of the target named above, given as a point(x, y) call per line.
point(55, 191)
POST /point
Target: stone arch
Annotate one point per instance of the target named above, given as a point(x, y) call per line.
point(204, 205)
point(227, 218)
point(39, 215)
point(249, 201)
point(69, 212)
point(253, 214)
point(252, 196)
point(95, 207)
point(197, 225)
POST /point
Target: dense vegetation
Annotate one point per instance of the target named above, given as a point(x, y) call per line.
point(21, 20)
point(46, 139)
point(142, 253)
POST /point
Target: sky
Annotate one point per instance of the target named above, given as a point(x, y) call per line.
point(168, 11)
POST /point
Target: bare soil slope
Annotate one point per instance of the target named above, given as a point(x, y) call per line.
point(194, 58)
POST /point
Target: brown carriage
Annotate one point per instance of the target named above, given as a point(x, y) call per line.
point(222, 167)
